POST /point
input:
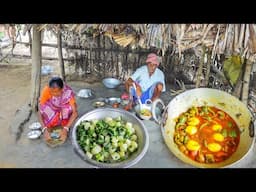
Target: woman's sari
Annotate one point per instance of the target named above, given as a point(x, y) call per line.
point(56, 111)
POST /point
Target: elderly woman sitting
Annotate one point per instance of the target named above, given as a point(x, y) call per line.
point(57, 107)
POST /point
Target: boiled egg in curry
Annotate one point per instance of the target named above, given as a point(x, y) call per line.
point(218, 137)
point(214, 147)
point(191, 130)
point(193, 121)
point(193, 145)
point(216, 127)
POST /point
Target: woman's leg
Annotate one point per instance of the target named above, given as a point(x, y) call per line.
point(66, 115)
point(50, 117)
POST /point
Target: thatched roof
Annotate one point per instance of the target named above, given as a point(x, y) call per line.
point(229, 39)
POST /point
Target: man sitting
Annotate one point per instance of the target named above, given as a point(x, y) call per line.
point(148, 81)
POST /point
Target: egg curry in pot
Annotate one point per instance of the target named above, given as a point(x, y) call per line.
point(206, 134)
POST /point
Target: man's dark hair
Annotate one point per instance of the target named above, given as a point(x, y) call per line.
point(56, 82)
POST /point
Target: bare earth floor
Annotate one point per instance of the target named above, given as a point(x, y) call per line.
point(25, 153)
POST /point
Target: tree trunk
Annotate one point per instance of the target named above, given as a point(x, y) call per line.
point(61, 62)
point(36, 68)
point(30, 42)
point(246, 81)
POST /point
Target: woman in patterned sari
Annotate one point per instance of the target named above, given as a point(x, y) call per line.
point(57, 107)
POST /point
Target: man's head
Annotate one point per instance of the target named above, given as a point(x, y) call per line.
point(152, 62)
point(56, 85)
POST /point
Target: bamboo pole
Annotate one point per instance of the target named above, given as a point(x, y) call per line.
point(30, 41)
point(200, 69)
point(43, 58)
point(241, 36)
point(104, 56)
point(236, 39)
point(215, 43)
point(246, 81)
point(208, 68)
point(117, 65)
point(36, 68)
point(97, 56)
point(238, 86)
point(60, 55)
point(230, 40)
point(223, 47)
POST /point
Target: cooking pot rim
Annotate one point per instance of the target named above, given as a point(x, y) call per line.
point(250, 143)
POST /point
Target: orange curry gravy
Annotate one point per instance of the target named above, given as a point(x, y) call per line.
point(206, 134)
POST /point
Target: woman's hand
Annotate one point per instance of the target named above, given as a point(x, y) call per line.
point(46, 134)
point(63, 134)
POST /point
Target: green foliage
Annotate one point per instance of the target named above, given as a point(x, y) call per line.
point(1, 34)
point(232, 68)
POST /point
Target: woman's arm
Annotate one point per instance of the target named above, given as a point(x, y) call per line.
point(40, 118)
point(73, 116)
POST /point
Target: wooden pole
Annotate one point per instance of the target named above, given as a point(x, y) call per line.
point(30, 42)
point(239, 85)
point(60, 55)
point(208, 68)
point(200, 70)
point(246, 81)
point(36, 68)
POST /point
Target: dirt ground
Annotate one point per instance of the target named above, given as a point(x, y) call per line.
point(15, 92)
point(15, 87)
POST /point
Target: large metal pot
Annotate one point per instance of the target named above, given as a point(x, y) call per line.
point(211, 97)
point(141, 132)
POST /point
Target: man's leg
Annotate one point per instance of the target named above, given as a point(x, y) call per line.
point(152, 92)
point(157, 91)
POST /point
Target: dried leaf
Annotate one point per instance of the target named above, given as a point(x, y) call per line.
point(41, 27)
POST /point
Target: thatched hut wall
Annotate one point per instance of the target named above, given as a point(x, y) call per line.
point(104, 58)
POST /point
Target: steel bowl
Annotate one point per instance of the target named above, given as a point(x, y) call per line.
point(85, 93)
point(112, 100)
point(97, 104)
point(35, 126)
point(111, 82)
point(138, 109)
point(34, 134)
point(101, 113)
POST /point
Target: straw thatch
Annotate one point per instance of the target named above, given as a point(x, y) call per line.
point(226, 39)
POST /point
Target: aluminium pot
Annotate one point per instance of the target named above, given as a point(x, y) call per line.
point(101, 113)
point(210, 97)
